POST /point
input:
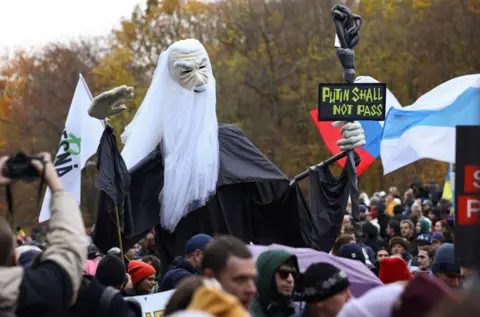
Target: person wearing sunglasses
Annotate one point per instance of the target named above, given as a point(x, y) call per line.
point(277, 270)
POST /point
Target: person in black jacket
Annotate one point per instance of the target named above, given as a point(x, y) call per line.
point(188, 266)
point(97, 300)
point(371, 237)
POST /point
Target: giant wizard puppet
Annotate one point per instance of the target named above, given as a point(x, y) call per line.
point(182, 173)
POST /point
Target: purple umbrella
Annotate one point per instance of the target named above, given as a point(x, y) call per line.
point(360, 277)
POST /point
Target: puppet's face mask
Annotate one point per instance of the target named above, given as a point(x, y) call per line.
point(189, 70)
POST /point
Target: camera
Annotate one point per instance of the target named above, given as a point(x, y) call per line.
point(19, 167)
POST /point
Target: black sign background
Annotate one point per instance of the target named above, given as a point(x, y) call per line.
point(349, 109)
point(467, 237)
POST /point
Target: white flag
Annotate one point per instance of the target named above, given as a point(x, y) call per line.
point(78, 143)
point(427, 129)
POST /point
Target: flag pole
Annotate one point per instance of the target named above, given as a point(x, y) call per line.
point(347, 27)
point(119, 233)
point(327, 162)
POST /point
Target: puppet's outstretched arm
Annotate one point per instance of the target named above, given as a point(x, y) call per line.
point(109, 103)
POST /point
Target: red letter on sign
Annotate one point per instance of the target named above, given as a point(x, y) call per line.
point(472, 179)
point(468, 210)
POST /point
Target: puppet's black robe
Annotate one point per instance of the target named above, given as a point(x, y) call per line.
point(254, 201)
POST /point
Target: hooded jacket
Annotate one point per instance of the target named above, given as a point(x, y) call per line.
point(268, 301)
point(180, 269)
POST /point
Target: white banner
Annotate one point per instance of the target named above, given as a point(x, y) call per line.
point(153, 305)
point(78, 143)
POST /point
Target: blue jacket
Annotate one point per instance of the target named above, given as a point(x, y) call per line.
point(370, 253)
point(180, 269)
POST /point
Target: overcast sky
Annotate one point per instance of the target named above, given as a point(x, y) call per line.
point(32, 23)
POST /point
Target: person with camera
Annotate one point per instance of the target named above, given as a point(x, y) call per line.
point(55, 284)
point(52, 285)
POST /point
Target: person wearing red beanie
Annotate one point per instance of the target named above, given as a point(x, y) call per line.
point(143, 277)
point(394, 269)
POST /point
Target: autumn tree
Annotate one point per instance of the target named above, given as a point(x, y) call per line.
point(268, 58)
point(37, 94)
point(137, 45)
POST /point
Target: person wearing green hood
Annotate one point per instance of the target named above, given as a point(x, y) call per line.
point(422, 226)
point(277, 270)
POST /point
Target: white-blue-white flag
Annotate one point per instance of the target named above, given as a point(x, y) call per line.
point(78, 143)
point(426, 129)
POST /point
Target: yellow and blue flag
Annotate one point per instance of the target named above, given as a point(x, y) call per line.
point(447, 188)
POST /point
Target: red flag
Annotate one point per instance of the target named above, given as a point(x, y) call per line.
point(331, 135)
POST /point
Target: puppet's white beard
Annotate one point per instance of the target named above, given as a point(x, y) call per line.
point(191, 155)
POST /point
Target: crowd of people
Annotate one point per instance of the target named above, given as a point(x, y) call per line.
point(407, 243)
point(417, 229)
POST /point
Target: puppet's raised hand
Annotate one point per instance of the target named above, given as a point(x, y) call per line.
point(353, 135)
point(109, 103)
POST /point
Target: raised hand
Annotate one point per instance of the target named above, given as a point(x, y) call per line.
point(51, 176)
point(110, 103)
point(353, 135)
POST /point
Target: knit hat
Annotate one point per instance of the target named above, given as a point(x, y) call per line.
point(394, 269)
point(139, 271)
point(421, 295)
point(377, 302)
point(438, 236)
point(115, 251)
point(320, 282)
point(444, 261)
point(351, 251)
point(25, 259)
point(399, 240)
point(111, 271)
point(197, 242)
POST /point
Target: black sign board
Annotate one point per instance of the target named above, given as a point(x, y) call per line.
point(467, 196)
point(350, 102)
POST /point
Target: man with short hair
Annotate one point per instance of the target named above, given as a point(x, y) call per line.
point(393, 229)
point(228, 260)
point(426, 254)
point(187, 266)
point(277, 270)
point(407, 229)
point(429, 211)
point(408, 200)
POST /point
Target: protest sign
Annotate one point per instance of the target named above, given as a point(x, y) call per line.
point(153, 305)
point(350, 102)
point(467, 195)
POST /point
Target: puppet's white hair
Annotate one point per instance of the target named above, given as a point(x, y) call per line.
point(186, 124)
